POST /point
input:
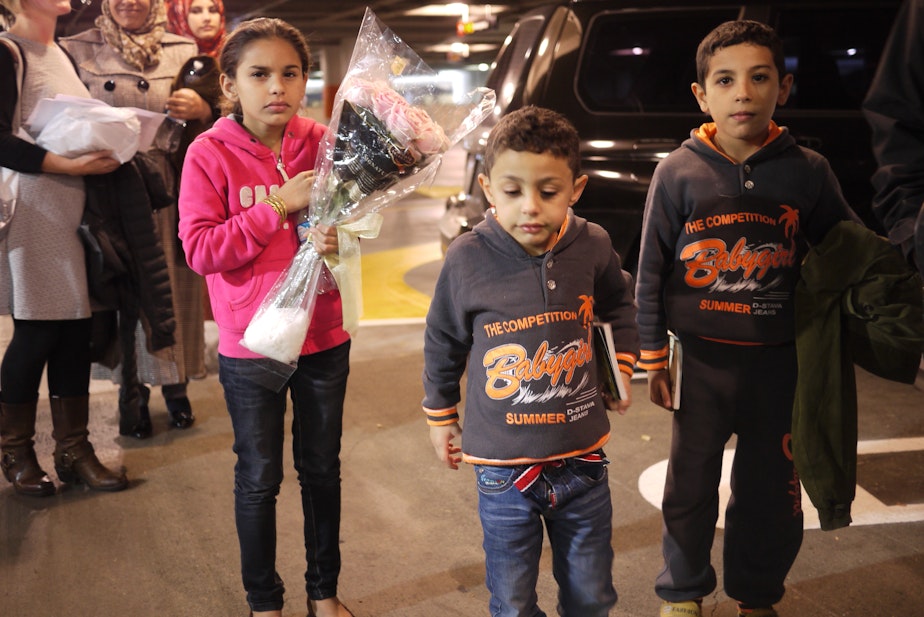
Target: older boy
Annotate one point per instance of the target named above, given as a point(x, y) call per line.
point(725, 230)
point(517, 298)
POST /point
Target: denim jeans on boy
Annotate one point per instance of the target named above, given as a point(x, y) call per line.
point(579, 525)
point(317, 389)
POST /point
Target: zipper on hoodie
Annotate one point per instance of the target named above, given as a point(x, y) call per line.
point(303, 224)
point(282, 168)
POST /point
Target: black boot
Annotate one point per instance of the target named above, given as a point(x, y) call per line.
point(181, 415)
point(75, 460)
point(17, 454)
point(134, 414)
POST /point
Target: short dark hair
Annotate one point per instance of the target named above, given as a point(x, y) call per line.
point(537, 130)
point(254, 30)
point(738, 32)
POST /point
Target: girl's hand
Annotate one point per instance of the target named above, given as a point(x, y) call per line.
point(297, 191)
point(186, 104)
point(324, 238)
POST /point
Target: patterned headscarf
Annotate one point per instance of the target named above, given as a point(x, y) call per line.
point(140, 48)
point(178, 23)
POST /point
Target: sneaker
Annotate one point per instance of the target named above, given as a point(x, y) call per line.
point(757, 612)
point(690, 608)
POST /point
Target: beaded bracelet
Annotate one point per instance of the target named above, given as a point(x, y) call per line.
point(278, 205)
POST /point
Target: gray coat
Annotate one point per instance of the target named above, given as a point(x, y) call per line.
point(42, 264)
point(110, 79)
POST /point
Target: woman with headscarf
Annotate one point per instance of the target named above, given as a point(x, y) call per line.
point(130, 60)
point(204, 22)
point(201, 20)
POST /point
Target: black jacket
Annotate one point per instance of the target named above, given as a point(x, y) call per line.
point(894, 108)
point(126, 262)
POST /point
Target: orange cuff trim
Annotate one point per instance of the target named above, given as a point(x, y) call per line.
point(441, 417)
point(653, 360)
point(626, 362)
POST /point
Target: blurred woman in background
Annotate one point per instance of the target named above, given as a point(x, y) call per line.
point(130, 60)
point(200, 20)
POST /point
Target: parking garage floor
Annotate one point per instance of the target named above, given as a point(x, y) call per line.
point(411, 540)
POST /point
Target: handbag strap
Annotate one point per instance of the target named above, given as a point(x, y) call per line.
point(20, 65)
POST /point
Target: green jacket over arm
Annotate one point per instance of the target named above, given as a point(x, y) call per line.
point(858, 302)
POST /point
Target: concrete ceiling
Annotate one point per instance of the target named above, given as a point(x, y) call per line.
point(334, 23)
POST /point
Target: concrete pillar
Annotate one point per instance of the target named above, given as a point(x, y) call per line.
point(335, 61)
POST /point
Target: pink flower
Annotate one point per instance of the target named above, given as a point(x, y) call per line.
point(430, 137)
point(360, 92)
point(412, 126)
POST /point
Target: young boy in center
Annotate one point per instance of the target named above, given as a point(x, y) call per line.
point(516, 300)
point(725, 229)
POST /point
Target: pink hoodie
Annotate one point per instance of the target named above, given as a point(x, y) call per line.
point(234, 240)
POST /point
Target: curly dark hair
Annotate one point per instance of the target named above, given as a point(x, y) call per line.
point(537, 130)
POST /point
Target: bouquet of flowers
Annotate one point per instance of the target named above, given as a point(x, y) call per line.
point(389, 127)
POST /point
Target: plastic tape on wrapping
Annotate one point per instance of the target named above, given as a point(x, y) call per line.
point(346, 266)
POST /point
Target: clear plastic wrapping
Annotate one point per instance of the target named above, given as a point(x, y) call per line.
point(389, 127)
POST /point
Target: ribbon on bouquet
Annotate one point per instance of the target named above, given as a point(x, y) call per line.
point(346, 265)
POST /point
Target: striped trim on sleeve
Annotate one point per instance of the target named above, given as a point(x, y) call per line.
point(626, 362)
point(653, 360)
point(441, 417)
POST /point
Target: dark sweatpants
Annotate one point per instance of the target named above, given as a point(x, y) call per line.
point(746, 390)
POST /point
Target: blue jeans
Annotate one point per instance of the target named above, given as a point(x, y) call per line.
point(317, 389)
point(579, 525)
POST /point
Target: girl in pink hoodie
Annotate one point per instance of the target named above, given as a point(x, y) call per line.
point(243, 182)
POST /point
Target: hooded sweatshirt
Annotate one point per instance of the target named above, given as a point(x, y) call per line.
point(524, 325)
point(234, 240)
point(723, 241)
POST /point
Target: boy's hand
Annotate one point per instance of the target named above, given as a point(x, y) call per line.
point(659, 389)
point(441, 437)
point(620, 407)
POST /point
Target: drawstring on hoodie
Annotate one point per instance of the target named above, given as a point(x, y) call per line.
point(282, 169)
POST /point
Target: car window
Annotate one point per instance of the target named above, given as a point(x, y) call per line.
point(644, 61)
point(833, 66)
point(513, 58)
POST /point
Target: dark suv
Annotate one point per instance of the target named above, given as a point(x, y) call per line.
point(621, 71)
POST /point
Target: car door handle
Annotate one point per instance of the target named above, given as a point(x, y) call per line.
point(657, 148)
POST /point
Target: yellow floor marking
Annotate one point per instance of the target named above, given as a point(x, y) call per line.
point(439, 191)
point(385, 294)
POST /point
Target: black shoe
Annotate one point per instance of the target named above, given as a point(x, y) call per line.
point(181, 415)
point(142, 429)
point(135, 424)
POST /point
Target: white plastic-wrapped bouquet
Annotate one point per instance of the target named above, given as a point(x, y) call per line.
point(389, 127)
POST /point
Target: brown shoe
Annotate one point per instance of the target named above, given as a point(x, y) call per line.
point(75, 460)
point(17, 454)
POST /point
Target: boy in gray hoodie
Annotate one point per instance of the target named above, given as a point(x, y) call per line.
point(516, 300)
